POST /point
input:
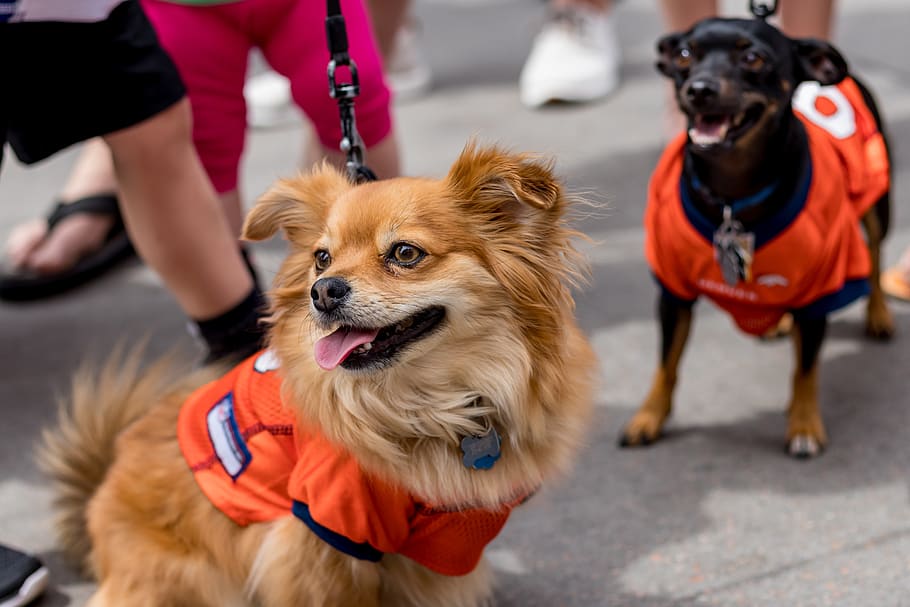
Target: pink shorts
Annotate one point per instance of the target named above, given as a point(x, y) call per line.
point(211, 45)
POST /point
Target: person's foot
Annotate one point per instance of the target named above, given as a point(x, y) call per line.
point(895, 282)
point(33, 247)
point(77, 242)
point(407, 71)
point(574, 58)
point(268, 100)
point(23, 578)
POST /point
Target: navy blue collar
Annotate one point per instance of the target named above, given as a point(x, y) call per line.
point(740, 204)
point(765, 231)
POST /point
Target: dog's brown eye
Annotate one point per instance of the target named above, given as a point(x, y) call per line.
point(323, 259)
point(683, 58)
point(405, 254)
point(753, 61)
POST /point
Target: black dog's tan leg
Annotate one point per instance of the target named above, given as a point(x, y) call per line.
point(646, 424)
point(805, 430)
point(782, 329)
point(879, 323)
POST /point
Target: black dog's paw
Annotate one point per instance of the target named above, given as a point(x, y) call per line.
point(803, 446)
point(625, 441)
point(880, 326)
point(629, 439)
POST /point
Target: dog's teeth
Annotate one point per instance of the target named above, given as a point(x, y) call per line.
point(700, 138)
point(363, 348)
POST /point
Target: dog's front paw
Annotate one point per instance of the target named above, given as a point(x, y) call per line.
point(879, 322)
point(806, 440)
point(803, 446)
point(643, 429)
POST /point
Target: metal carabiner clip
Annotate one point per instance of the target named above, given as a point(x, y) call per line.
point(343, 90)
point(762, 9)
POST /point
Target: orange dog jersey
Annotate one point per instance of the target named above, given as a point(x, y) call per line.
point(810, 258)
point(256, 463)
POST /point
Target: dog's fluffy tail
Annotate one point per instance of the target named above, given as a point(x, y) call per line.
point(77, 451)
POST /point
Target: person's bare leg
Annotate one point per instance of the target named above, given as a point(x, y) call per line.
point(382, 158)
point(387, 17)
point(174, 216)
point(32, 247)
point(807, 18)
point(233, 210)
point(680, 15)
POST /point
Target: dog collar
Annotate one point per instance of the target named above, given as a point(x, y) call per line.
point(738, 204)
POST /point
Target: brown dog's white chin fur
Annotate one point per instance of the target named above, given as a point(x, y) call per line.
point(496, 258)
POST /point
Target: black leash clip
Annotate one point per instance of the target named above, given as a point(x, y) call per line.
point(345, 93)
point(762, 9)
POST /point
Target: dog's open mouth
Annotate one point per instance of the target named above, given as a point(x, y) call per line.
point(360, 348)
point(708, 129)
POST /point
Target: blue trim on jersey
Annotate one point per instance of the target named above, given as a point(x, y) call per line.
point(363, 551)
point(764, 232)
point(850, 292)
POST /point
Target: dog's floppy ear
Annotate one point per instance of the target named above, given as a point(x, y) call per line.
point(511, 189)
point(298, 206)
point(817, 60)
point(666, 48)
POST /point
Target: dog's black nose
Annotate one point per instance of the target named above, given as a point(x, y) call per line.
point(702, 92)
point(329, 293)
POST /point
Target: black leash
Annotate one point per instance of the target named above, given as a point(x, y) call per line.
point(762, 9)
point(345, 93)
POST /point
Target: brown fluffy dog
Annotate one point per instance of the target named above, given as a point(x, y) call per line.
point(481, 262)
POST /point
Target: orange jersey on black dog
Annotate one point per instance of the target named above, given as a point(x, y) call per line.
point(256, 463)
point(811, 256)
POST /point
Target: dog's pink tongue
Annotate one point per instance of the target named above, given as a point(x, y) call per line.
point(332, 349)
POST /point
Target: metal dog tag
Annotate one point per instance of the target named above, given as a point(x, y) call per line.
point(481, 452)
point(734, 249)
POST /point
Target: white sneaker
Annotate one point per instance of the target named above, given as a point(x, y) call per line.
point(407, 72)
point(575, 57)
point(268, 101)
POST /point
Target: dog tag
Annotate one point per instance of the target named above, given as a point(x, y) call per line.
point(744, 245)
point(734, 250)
point(481, 452)
point(729, 264)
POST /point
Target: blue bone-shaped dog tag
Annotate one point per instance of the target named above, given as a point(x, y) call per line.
point(481, 452)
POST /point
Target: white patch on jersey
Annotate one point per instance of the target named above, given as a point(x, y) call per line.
point(841, 124)
point(267, 361)
point(225, 436)
point(772, 280)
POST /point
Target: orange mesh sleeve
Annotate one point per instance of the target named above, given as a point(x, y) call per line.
point(451, 543)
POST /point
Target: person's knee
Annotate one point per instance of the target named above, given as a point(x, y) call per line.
point(164, 133)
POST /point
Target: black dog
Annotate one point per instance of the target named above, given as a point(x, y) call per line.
point(760, 208)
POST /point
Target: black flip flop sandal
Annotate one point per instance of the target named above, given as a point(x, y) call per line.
point(23, 578)
point(21, 285)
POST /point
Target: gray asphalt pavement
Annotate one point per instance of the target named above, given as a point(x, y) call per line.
point(715, 514)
